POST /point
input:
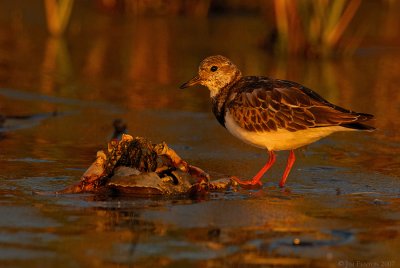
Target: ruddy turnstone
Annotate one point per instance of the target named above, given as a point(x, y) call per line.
point(269, 113)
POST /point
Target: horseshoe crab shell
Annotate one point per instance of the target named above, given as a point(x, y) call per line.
point(131, 181)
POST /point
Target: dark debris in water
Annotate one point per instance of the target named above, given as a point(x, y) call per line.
point(15, 122)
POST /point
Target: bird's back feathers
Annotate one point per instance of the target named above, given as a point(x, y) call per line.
point(262, 104)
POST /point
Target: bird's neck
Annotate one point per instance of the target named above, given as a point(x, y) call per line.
point(224, 82)
point(219, 101)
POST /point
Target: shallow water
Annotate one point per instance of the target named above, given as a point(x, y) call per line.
point(341, 205)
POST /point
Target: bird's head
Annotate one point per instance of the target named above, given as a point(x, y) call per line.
point(215, 72)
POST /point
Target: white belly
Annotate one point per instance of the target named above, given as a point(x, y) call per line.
point(281, 139)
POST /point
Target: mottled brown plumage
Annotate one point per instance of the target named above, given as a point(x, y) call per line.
point(262, 104)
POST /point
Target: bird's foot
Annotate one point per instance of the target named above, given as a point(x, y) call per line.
point(247, 184)
point(282, 182)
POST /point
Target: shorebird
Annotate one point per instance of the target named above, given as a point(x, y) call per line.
point(269, 113)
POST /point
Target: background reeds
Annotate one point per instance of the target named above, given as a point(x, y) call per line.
point(304, 28)
point(58, 13)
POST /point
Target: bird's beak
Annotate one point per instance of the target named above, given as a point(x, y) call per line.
point(194, 81)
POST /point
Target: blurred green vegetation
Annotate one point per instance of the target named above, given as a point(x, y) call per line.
point(312, 28)
point(303, 28)
point(58, 14)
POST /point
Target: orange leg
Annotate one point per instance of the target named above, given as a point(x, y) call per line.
point(256, 180)
point(289, 166)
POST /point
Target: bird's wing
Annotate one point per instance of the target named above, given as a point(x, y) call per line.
point(269, 105)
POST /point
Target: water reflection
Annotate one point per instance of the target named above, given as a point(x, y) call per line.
point(275, 231)
point(56, 65)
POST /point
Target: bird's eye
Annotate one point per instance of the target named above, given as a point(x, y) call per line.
point(213, 68)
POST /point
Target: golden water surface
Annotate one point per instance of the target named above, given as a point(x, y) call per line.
point(341, 205)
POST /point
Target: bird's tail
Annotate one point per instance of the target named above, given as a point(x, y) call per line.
point(362, 117)
point(359, 124)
